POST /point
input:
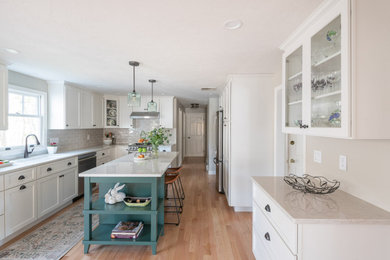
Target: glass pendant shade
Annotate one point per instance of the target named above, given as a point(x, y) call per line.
point(134, 99)
point(152, 106)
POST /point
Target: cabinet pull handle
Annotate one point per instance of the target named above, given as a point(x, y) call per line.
point(49, 169)
point(62, 176)
point(69, 163)
point(22, 187)
point(103, 154)
point(21, 177)
point(94, 125)
point(267, 236)
point(267, 208)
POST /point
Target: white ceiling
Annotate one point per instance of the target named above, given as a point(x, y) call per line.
point(180, 43)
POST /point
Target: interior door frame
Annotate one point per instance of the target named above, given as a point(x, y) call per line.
point(280, 147)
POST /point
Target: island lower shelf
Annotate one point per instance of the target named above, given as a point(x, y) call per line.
point(100, 207)
point(101, 236)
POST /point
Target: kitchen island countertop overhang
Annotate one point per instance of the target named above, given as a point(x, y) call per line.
point(127, 167)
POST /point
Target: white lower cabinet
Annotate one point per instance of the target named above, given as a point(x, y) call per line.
point(20, 205)
point(48, 194)
point(68, 185)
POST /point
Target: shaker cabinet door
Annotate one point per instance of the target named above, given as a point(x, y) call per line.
point(48, 194)
point(20, 205)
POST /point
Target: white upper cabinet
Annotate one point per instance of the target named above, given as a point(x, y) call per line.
point(97, 110)
point(3, 97)
point(331, 85)
point(73, 108)
point(86, 107)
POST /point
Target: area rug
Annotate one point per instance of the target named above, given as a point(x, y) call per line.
point(53, 239)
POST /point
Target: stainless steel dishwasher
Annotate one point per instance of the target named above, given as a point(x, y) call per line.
point(86, 161)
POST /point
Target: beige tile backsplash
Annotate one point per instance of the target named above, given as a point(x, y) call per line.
point(74, 139)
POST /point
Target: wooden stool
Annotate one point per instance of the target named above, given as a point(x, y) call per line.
point(177, 171)
point(178, 209)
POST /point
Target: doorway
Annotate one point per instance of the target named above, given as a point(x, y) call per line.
point(195, 134)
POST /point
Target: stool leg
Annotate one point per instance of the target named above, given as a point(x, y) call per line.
point(177, 211)
point(178, 196)
point(182, 189)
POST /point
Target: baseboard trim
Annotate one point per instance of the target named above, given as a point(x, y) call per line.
point(242, 209)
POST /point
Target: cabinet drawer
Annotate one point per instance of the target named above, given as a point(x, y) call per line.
point(258, 249)
point(20, 177)
point(103, 154)
point(55, 167)
point(287, 229)
point(103, 161)
point(274, 244)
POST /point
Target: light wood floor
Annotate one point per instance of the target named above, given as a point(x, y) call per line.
point(209, 228)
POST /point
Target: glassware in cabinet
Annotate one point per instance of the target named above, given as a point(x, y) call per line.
point(293, 89)
point(326, 76)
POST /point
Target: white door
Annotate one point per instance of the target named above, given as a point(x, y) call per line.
point(195, 134)
point(48, 194)
point(97, 113)
point(72, 107)
point(68, 185)
point(296, 154)
point(86, 110)
point(20, 204)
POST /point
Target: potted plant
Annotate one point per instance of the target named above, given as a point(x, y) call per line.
point(157, 137)
point(107, 138)
point(52, 148)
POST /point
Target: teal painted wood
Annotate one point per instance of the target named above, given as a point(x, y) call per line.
point(110, 215)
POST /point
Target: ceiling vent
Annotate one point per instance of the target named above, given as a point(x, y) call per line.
point(208, 89)
point(194, 105)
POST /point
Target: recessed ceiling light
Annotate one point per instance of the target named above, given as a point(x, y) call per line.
point(233, 24)
point(9, 50)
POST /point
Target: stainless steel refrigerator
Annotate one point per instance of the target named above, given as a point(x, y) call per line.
point(218, 160)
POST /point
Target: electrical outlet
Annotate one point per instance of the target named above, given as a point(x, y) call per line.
point(317, 156)
point(343, 163)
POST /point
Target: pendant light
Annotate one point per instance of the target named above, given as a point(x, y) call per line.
point(134, 98)
point(152, 106)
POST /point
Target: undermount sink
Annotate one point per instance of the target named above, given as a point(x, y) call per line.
point(34, 158)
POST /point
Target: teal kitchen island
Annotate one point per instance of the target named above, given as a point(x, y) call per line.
point(142, 179)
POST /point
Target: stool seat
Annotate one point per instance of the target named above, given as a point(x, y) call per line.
point(171, 179)
point(174, 170)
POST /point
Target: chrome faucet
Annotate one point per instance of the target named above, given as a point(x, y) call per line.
point(26, 152)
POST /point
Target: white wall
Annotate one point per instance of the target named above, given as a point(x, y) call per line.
point(211, 133)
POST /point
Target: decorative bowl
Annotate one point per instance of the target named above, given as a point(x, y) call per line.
point(137, 201)
point(312, 184)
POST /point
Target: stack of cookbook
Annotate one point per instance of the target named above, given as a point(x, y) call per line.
point(127, 229)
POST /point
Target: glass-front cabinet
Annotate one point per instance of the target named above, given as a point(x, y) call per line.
point(293, 90)
point(316, 85)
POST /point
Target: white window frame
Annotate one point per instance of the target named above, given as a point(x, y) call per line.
point(42, 114)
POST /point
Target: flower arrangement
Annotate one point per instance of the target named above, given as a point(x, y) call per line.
point(157, 137)
point(53, 144)
point(108, 135)
point(52, 148)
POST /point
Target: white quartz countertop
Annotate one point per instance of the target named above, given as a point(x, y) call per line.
point(337, 207)
point(127, 167)
point(33, 161)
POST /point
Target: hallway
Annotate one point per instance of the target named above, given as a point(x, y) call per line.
point(209, 228)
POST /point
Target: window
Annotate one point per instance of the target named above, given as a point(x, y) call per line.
point(25, 116)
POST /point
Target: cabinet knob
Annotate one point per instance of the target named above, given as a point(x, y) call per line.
point(61, 176)
point(292, 161)
point(21, 177)
point(22, 187)
point(267, 208)
point(67, 125)
point(266, 236)
point(49, 169)
point(103, 154)
point(69, 163)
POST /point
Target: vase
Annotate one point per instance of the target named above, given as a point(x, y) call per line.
point(155, 151)
point(51, 149)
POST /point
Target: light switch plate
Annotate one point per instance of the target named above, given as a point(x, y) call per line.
point(317, 156)
point(343, 162)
